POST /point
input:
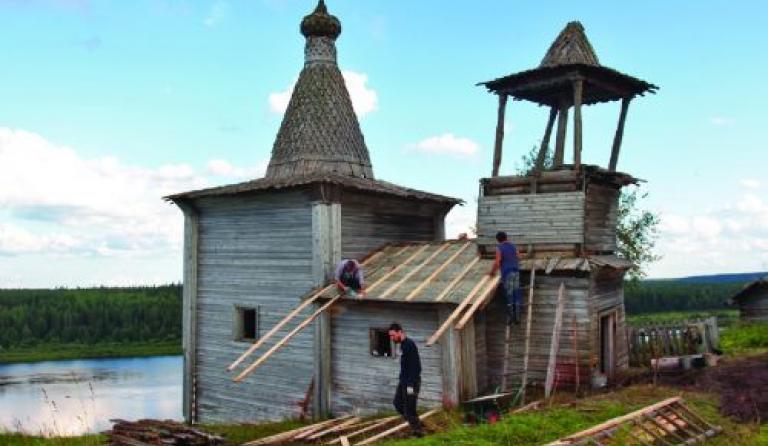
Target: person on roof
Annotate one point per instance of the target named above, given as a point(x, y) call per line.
point(507, 262)
point(349, 278)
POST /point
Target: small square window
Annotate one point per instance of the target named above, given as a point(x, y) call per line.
point(246, 324)
point(381, 345)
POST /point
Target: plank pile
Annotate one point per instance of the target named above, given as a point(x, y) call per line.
point(158, 433)
point(343, 431)
point(669, 422)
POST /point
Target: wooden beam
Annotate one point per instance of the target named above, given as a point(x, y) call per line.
point(191, 243)
point(373, 427)
point(613, 422)
point(528, 319)
point(619, 135)
point(336, 428)
point(277, 327)
point(555, 344)
point(413, 271)
point(282, 342)
point(492, 284)
point(396, 269)
point(432, 276)
point(344, 440)
point(397, 428)
point(578, 90)
point(497, 148)
point(456, 280)
point(322, 425)
point(288, 435)
point(545, 141)
point(562, 125)
point(457, 311)
point(322, 365)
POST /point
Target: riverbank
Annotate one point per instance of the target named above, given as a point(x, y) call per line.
point(58, 352)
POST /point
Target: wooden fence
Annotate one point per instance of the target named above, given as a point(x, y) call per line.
point(649, 341)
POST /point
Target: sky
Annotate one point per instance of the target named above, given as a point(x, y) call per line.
point(107, 106)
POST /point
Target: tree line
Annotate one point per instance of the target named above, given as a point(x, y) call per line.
point(656, 296)
point(90, 316)
point(153, 314)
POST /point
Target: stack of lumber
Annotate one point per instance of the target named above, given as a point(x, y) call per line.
point(669, 422)
point(158, 433)
point(344, 431)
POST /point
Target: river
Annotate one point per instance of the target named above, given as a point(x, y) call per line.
point(56, 398)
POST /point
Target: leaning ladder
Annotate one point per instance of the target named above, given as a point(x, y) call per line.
point(669, 422)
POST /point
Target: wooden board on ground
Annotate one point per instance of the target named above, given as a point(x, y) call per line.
point(668, 422)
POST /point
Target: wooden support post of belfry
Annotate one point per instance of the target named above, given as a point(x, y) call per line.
point(542, 156)
point(555, 344)
point(499, 134)
point(562, 125)
point(578, 86)
point(619, 135)
point(282, 342)
point(528, 319)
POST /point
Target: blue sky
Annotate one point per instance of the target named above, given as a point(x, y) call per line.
point(105, 106)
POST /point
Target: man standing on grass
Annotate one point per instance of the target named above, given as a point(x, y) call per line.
point(410, 378)
point(507, 262)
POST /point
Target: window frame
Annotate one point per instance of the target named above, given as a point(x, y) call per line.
point(238, 329)
point(372, 343)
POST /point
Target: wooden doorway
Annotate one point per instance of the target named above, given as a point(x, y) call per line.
point(608, 343)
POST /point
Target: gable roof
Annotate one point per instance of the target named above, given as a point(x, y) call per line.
point(448, 271)
point(750, 290)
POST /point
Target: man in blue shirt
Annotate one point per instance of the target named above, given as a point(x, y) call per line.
point(410, 378)
point(507, 262)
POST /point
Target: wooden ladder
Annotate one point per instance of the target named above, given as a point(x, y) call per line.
point(669, 422)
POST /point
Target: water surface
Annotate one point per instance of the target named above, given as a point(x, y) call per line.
point(74, 397)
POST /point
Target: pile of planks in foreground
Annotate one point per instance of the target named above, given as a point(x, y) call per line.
point(344, 431)
point(158, 433)
point(669, 422)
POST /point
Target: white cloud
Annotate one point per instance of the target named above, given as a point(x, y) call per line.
point(55, 202)
point(222, 168)
point(216, 14)
point(731, 238)
point(749, 183)
point(721, 121)
point(447, 144)
point(460, 220)
point(364, 99)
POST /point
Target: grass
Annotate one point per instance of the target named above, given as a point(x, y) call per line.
point(561, 418)
point(54, 352)
point(743, 339)
point(27, 440)
point(725, 318)
point(541, 427)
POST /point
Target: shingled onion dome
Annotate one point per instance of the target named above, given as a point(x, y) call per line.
point(320, 23)
point(320, 133)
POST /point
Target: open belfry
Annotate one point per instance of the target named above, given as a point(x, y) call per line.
point(268, 335)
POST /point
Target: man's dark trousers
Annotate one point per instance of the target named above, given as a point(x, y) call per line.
point(406, 404)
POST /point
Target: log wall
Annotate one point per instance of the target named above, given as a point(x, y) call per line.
point(369, 222)
point(544, 306)
point(255, 252)
point(366, 384)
